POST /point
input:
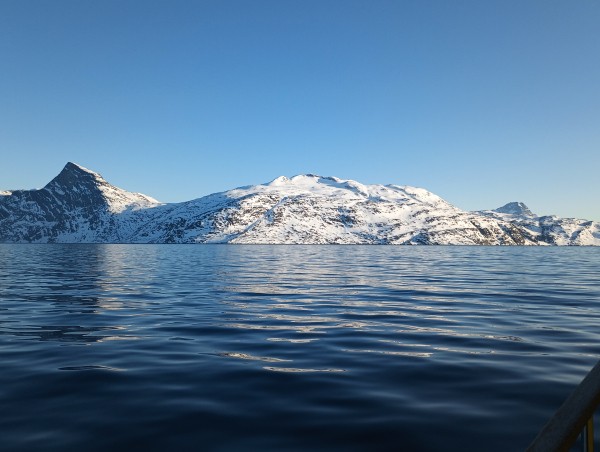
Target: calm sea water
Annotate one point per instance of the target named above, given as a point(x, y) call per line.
point(177, 347)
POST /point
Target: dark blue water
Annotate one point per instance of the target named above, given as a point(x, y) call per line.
point(176, 347)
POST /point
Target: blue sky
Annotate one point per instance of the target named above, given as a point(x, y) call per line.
point(481, 102)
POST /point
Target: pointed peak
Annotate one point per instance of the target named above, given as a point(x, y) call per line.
point(73, 174)
point(78, 186)
point(515, 208)
point(74, 167)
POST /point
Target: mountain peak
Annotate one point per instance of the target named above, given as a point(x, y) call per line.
point(74, 167)
point(80, 186)
point(515, 208)
point(74, 175)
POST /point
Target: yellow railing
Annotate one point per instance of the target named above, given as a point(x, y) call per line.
point(575, 416)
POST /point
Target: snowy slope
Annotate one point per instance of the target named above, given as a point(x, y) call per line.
point(80, 206)
point(315, 209)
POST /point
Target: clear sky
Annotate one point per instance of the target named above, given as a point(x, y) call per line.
point(480, 102)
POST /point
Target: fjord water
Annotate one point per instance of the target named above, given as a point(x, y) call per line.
point(221, 347)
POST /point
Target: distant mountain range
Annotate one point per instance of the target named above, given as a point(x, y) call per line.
point(79, 206)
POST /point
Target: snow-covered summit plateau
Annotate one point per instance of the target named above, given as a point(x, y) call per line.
point(80, 206)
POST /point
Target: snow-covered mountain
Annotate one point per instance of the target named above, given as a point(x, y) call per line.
point(549, 229)
point(80, 206)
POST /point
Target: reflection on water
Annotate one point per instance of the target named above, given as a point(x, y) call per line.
point(300, 370)
point(253, 358)
point(294, 347)
point(89, 368)
point(64, 289)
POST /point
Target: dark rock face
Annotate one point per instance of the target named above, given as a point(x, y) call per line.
point(77, 188)
point(79, 206)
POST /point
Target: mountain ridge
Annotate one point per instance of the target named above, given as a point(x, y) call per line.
point(80, 206)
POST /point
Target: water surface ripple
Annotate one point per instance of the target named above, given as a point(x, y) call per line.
point(157, 347)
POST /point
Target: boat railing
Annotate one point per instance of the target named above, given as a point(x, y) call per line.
point(574, 417)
